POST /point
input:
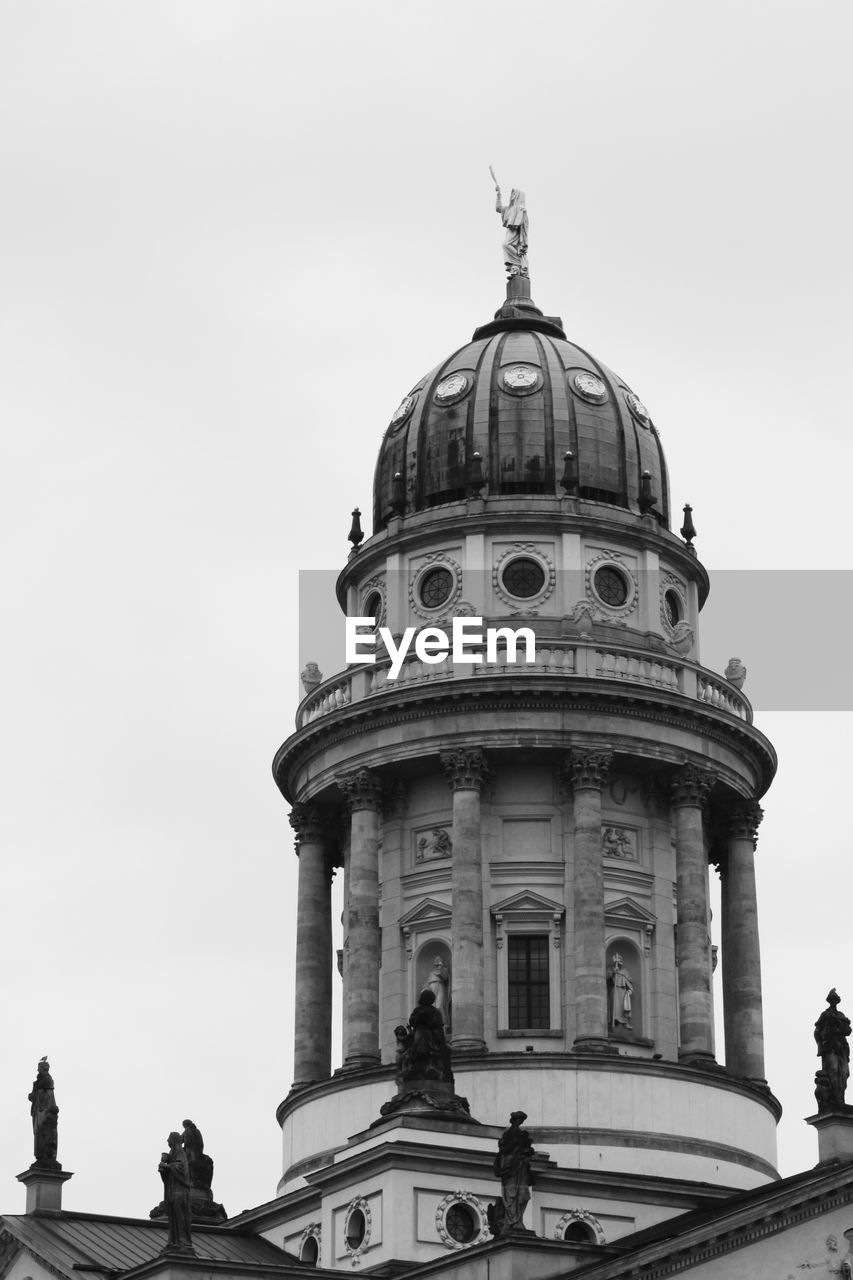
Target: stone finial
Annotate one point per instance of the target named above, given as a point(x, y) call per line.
point(476, 479)
point(588, 769)
point(688, 528)
point(398, 494)
point(311, 677)
point(831, 1034)
point(735, 672)
point(648, 497)
point(569, 478)
point(466, 769)
point(356, 533)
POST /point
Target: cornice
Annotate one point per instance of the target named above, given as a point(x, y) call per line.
point(491, 694)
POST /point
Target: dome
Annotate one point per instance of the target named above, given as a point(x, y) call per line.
point(521, 396)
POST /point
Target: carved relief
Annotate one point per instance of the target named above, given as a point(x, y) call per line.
point(618, 842)
point(434, 845)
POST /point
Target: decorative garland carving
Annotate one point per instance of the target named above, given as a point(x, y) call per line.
point(535, 552)
point(466, 769)
point(436, 560)
point(362, 789)
point(467, 1198)
point(579, 1215)
point(358, 1202)
point(615, 560)
point(743, 821)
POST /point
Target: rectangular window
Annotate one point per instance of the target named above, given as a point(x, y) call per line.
point(528, 983)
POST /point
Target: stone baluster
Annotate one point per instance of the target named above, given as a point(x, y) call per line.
point(690, 787)
point(312, 1037)
point(742, 1012)
point(362, 790)
point(466, 770)
point(587, 771)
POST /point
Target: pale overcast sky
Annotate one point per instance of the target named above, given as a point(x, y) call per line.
point(232, 236)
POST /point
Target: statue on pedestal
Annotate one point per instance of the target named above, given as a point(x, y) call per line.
point(174, 1169)
point(512, 1166)
point(831, 1031)
point(425, 1054)
point(620, 990)
point(514, 218)
point(44, 1112)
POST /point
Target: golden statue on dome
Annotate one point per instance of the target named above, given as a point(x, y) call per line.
point(514, 218)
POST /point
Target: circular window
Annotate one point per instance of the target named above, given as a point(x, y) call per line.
point(435, 588)
point(611, 586)
point(310, 1251)
point(672, 606)
point(523, 577)
point(579, 1233)
point(373, 607)
point(356, 1229)
point(590, 387)
point(521, 379)
point(451, 388)
point(460, 1223)
point(637, 408)
point(401, 413)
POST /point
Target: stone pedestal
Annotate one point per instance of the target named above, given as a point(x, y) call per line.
point(466, 770)
point(312, 1039)
point(362, 790)
point(587, 771)
point(742, 1009)
point(834, 1134)
point(44, 1187)
point(436, 1099)
point(690, 788)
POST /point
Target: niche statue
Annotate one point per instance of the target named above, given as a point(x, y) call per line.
point(830, 1032)
point(44, 1112)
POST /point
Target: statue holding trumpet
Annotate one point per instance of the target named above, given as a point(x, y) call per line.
point(514, 218)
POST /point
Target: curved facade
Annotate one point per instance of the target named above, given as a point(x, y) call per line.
point(541, 820)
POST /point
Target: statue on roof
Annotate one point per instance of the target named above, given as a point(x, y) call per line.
point(44, 1112)
point(514, 218)
point(174, 1169)
point(830, 1032)
point(512, 1166)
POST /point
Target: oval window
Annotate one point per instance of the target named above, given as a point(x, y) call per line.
point(523, 578)
point(460, 1223)
point(435, 588)
point(373, 607)
point(310, 1252)
point(611, 586)
point(579, 1233)
point(672, 605)
point(356, 1228)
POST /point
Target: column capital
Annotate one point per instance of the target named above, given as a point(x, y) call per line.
point(588, 769)
point(743, 820)
point(312, 821)
point(466, 769)
point(690, 786)
point(362, 789)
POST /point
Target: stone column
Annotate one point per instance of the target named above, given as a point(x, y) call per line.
point(466, 771)
point(690, 787)
point(742, 1013)
point(312, 1037)
point(361, 921)
point(587, 772)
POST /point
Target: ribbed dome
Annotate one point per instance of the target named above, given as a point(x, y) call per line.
point(521, 396)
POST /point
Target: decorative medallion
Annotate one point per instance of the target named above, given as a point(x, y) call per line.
point(521, 379)
point(638, 409)
point(590, 387)
point(402, 412)
point(451, 388)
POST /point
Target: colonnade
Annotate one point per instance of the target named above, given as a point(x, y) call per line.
point(586, 772)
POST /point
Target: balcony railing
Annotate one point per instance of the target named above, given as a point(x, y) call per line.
point(571, 658)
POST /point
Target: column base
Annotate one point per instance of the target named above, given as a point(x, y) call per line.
point(699, 1058)
point(594, 1044)
point(359, 1062)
